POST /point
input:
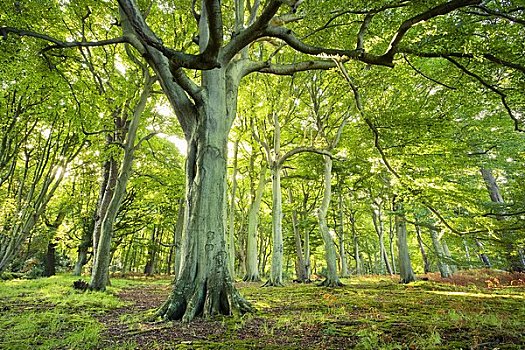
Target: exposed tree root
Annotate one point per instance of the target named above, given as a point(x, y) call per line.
point(330, 283)
point(251, 278)
point(188, 301)
point(270, 283)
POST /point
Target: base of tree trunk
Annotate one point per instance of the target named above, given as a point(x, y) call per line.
point(330, 283)
point(407, 280)
point(188, 301)
point(251, 278)
point(270, 283)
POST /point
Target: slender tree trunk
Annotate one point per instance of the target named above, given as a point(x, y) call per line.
point(453, 268)
point(357, 253)
point(514, 260)
point(467, 253)
point(276, 273)
point(252, 270)
point(50, 261)
point(484, 258)
point(100, 273)
point(86, 242)
point(405, 266)
point(377, 219)
point(426, 263)
point(332, 280)
point(149, 269)
point(342, 251)
point(301, 269)
point(391, 244)
point(442, 265)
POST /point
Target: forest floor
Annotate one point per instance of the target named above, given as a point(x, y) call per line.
point(473, 310)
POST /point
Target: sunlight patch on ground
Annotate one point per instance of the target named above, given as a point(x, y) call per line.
point(477, 295)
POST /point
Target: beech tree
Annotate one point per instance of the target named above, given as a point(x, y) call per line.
point(202, 87)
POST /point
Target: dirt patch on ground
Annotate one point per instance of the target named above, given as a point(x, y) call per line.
point(128, 327)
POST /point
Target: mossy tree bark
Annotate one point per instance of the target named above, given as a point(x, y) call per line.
point(332, 279)
point(204, 285)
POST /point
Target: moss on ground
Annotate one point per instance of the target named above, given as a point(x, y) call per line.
point(368, 313)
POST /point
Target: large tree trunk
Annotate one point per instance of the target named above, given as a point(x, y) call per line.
point(332, 280)
point(204, 285)
point(176, 249)
point(231, 220)
point(252, 270)
point(405, 266)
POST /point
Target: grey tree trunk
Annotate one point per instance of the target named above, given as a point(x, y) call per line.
point(204, 285)
point(332, 280)
point(252, 265)
point(300, 266)
point(342, 249)
point(231, 223)
point(405, 266)
point(377, 219)
point(276, 272)
point(467, 252)
point(109, 181)
point(86, 241)
point(513, 252)
point(481, 253)
point(426, 264)
point(177, 238)
point(443, 267)
point(453, 268)
point(149, 268)
point(357, 253)
point(100, 273)
point(391, 232)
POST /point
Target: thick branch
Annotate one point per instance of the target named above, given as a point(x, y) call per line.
point(491, 88)
point(287, 69)
point(302, 150)
point(214, 17)
point(254, 31)
point(4, 31)
point(439, 10)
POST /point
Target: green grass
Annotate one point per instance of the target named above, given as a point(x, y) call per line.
point(48, 313)
point(368, 313)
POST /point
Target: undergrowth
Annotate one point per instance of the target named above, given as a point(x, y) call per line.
point(374, 312)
